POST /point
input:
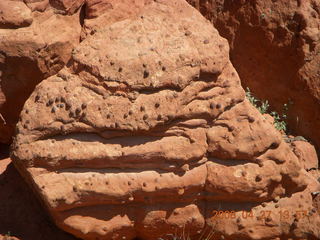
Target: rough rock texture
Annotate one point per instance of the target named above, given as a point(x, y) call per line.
point(14, 14)
point(36, 41)
point(99, 13)
point(33, 46)
point(306, 154)
point(275, 49)
point(148, 133)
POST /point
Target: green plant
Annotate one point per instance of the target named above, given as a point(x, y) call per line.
point(280, 120)
point(252, 99)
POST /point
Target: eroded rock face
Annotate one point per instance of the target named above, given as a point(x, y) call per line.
point(14, 14)
point(275, 49)
point(35, 43)
point(148, 133)
point(306, 154)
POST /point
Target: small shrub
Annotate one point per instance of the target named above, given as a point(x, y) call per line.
point(280, 120)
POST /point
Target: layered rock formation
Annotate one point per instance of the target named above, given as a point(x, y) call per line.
point(275, 49)
point(147, 132)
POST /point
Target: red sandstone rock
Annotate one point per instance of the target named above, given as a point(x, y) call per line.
point(14, 14)
point(7, 237)
point(274, 46)
point(306, 154)
point(147, 132)
point(37, 5)
point(29, 54)
point(67, 6)
point(99, 13)
point(3, 165)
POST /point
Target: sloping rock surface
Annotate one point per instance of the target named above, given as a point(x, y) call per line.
point(148, 133)
point(306, 153)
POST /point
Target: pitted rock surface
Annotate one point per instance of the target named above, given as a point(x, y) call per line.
point(306, 153)
point(35, 43)
point(148, 131)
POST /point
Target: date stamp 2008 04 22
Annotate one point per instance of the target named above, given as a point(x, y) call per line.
point(263, 214)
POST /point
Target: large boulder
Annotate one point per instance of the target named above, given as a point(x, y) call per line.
point(148, 133)
point(274, 46)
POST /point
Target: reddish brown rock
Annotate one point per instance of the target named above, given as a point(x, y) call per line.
point(14, 14)
point(29, 54)
point(37, 5)
point(67, 6)
point(306, 154)
point(147, 132)
point(7, 237)
point(99, 13)
point(274, 45)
